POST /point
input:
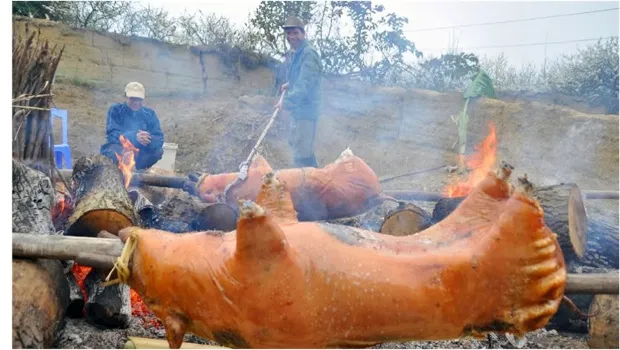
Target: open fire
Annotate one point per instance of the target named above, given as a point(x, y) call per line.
point(126, 161)
point(138, 307)
point(480, 163)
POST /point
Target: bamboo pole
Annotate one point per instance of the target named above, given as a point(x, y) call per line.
point(27, 245)
point(148, 343)
point(103, 252)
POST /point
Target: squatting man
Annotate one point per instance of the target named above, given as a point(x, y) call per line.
point(138, 124)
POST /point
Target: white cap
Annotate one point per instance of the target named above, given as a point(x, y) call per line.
point(134, 89)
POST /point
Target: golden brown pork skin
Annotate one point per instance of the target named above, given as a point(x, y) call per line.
point(491, 265)
point(346, 187)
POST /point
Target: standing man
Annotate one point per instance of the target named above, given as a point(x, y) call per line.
point(137, 124)
point(303, 96)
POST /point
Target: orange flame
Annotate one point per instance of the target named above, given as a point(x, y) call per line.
point(127, 162)
point(480, 162)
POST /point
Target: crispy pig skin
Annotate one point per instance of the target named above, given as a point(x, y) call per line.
point(346, 187)
point(491, 266)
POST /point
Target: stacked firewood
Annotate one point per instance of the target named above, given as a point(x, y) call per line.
point(34, 66)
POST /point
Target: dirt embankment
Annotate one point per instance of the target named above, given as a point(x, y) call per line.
point(394, 130)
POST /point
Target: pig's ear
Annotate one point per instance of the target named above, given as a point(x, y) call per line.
point(276, 200)
point(259, 236)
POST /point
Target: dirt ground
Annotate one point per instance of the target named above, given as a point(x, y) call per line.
point(394, 132)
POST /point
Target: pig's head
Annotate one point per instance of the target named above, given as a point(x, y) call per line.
point(211, 186)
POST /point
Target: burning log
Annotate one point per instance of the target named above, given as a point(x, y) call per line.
point(40, 289)
point(76, 298)
point(108, 306)
point(101, 199)
point(63, 206)
point(173, 210)
point(603, 326)
point(405, 220)
point(184, 213)
point(101, 204)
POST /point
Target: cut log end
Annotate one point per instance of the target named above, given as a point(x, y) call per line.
point(577, 221)
point(406, 220)
point(40, 297)
point(603, 326)
point(101, 199)
point(93, 222)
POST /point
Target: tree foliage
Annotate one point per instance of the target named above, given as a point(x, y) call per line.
point(447, 72)
point(36, 9)
point(591, 73)
point(353, 37)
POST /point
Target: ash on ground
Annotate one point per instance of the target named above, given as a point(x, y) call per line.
point(79, 334)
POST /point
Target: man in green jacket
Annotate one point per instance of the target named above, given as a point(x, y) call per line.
point(303, 96)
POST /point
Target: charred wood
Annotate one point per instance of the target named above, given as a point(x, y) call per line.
point(109, 306)
point(75, 308)
point(182, 212)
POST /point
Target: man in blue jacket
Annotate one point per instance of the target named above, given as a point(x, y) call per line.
point(303, 96)
point(136, 123)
